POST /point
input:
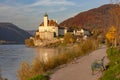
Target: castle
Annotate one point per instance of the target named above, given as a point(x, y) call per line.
point(48, 31)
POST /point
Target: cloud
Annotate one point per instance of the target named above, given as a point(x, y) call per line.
point(39, 6)
point(52, 3)
point(32, 13)
point(6, 11)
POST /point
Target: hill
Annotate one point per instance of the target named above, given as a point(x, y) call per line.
point(99, 18)
point(32, 32)
point(10, 33)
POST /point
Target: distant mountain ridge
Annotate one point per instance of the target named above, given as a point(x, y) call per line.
point(32, 32)
point(12, 34)
point(98, 18)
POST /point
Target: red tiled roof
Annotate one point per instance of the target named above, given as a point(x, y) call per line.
point(50, 23)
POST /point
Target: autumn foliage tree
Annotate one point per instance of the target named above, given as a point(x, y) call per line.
point(68, 38)
point(111, 35)
point(29, 42)
point(115, 18)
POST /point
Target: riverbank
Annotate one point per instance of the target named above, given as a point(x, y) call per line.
point(81, 69)
point(41, 67)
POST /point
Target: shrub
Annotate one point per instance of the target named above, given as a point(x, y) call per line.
point(39, 77)
point(113, 71)
point(111, 51)
point(68, 38)
point(27, 71)
point(29, 42)
point(89, 45)
point(24, 71)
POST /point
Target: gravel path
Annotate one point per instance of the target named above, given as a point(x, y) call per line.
point(81, 70)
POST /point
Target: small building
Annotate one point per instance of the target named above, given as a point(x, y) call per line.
point(62, 31)
point(82, 32)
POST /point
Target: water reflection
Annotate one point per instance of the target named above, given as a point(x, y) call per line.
point(11, 57)
point(45, 53)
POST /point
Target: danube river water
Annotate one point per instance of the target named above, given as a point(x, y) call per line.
point(12, 55)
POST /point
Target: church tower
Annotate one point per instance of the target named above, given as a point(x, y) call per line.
point(45, 20)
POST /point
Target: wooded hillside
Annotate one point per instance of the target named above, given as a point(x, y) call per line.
point(100, 18)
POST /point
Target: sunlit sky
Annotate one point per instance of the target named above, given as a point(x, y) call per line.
point(28, 14)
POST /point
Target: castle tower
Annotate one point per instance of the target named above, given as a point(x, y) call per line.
point(45, 20)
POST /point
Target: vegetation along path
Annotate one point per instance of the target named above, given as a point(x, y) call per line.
point(81, 69)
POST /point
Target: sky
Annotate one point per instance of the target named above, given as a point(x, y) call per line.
point(28, 14)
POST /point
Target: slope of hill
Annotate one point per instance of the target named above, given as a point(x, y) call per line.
point(32, 32)
point(98, 18)
point(10, 33)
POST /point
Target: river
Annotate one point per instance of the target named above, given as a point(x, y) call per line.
point(12, 55)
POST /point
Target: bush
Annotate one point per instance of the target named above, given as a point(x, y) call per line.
point(27, 71)
point(68, 38)
point(24, 72)
point(39, 77)
point(89, 45)
point(113, 71)
point(112, 51)
point(29, 42)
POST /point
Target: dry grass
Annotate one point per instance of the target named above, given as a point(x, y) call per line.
point(39, 67)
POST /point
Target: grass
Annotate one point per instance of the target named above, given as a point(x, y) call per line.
point(113, 70)
point(40, 77)
point(38, 68)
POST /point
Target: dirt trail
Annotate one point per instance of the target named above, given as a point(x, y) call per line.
point(82, 69)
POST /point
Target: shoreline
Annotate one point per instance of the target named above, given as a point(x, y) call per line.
point(80, 69)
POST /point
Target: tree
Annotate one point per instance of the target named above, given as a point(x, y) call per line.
point(68, 38)
point(29, 42)
point(115, 20)
point(111, 35)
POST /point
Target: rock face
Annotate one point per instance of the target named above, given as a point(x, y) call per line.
point(98, 18)
point(11, 34)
